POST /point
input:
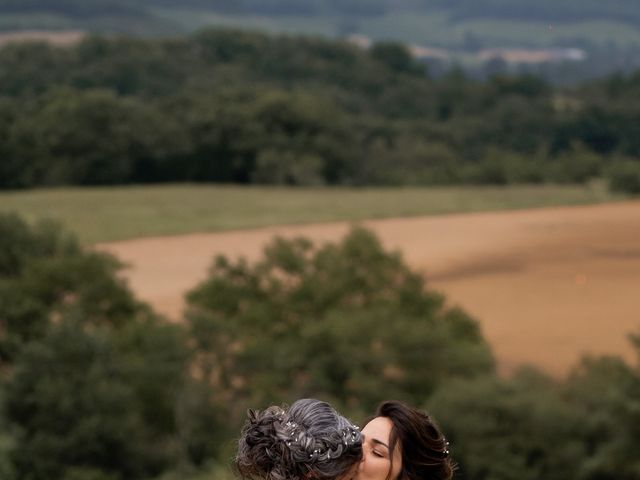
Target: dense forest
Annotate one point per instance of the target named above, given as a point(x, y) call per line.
point(232, 106)
point(95, 386)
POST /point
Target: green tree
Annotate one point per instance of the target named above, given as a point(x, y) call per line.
point(530, 426)
point(132, 66)
point(397, 57)
point(93, 384)
point(87, 401)
point(264, 135)
point(236, 106)
point(521, 428)
point(287, 168)
point(311, 129)
point(44, 276)
point(576, 165)
point(32, 67)
point(9, 167)
point(329, 321)
point(606, 391)
point(624, 176)
point(93, 137)
point(7, 442)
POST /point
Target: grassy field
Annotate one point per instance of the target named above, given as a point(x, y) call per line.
point(118, 213)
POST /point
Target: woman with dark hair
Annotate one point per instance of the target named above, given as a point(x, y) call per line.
point(403, 443)
point(308, 441)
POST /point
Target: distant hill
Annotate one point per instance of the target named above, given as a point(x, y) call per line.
point(626, 11)
point(462, 31)
point(567, 11)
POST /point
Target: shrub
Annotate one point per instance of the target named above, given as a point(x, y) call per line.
point(624, 177)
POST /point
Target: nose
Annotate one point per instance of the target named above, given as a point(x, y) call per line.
point(365, 451)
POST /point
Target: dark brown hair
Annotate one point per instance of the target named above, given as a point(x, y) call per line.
point(424, 449)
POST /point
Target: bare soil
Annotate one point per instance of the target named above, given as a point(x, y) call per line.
point(547, 285)
point(61, 38)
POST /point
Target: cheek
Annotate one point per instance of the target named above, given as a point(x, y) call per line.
point(374, 468)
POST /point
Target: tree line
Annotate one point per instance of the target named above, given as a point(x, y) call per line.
point(96, 386)
point(232, 106)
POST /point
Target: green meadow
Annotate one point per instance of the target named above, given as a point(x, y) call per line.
point(119, 213)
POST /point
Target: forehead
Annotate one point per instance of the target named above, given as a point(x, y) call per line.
point(378, 428)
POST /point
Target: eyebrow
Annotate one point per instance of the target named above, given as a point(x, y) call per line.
point(379, 442)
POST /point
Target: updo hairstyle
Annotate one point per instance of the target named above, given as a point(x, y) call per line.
point(309, 440)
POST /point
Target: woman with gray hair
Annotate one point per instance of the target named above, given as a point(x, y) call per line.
point(309, 440)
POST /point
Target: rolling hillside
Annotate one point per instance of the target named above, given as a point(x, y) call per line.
point(566, 42)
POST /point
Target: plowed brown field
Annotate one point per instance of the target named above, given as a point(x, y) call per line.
point(547, 285)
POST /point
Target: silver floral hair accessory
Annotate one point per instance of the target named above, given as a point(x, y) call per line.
point(351, 435)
